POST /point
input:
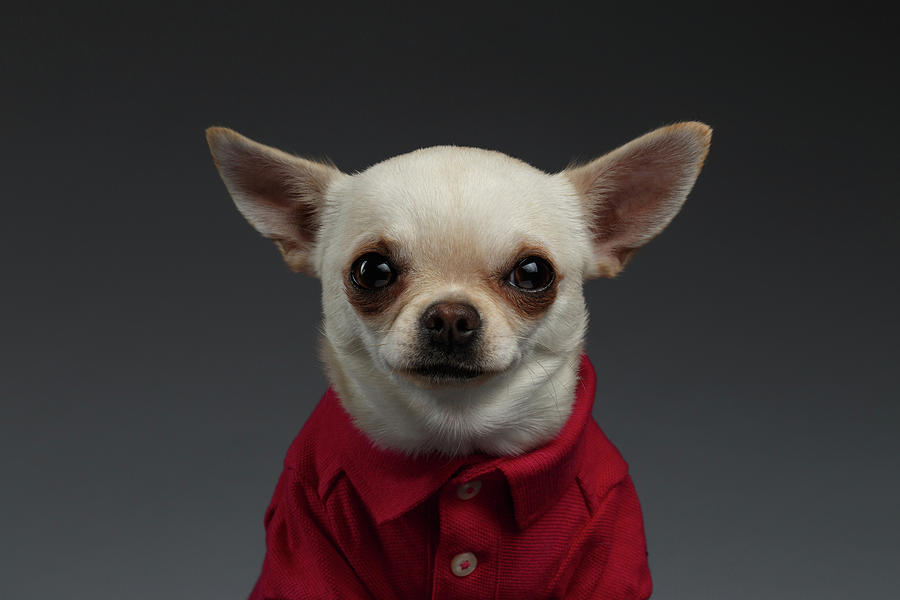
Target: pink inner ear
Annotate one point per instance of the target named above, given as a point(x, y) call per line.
point(279, 194)
point(633, 192)
point(260, 178)
point(273, 200)
point(639, 201)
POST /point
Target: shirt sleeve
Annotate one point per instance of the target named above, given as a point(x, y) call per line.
point(302, 562)
point(613, 560)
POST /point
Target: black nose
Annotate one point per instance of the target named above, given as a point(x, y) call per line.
point(450, 324)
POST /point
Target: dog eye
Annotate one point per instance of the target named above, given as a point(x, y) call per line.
point(532, 274)
point(372, 271)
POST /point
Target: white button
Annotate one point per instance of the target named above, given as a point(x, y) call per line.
point(468, 490)
point(463, 564)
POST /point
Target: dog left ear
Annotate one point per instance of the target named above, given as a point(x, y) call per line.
point(631, 194)
point(281, 195)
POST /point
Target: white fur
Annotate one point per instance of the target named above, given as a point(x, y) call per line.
point(439, 204)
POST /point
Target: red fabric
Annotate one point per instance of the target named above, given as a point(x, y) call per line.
point(348, 520)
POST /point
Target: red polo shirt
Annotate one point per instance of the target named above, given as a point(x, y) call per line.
point(349, 520)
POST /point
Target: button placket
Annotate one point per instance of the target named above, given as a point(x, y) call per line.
point(469, 537)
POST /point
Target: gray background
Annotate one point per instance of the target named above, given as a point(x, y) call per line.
point(158, 358)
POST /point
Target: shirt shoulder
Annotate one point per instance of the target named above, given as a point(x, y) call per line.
point(313, 458)
point(602, 467)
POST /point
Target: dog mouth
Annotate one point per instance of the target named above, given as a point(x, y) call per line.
point(445, 373)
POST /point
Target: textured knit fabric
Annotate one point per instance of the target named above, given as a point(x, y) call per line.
point(349, 520)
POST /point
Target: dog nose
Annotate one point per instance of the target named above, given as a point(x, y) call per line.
point(450, 324)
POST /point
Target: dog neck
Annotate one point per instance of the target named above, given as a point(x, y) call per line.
point(508, 414)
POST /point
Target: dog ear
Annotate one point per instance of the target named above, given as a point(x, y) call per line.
point(281, 195)
point(632, 193)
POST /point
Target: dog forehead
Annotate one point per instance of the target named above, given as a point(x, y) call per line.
point(452, 195)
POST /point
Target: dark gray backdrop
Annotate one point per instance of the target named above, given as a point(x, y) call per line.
point(157, 358)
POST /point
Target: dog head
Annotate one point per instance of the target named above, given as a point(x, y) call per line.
point(452, 277)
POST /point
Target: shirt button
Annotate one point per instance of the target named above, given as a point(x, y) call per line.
point(463, 564)
point(468, 490)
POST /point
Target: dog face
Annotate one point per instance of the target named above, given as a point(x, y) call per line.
point(452, 277)
point(447, 266)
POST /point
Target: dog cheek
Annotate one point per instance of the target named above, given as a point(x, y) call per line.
point(502, 336)
point(397, 334)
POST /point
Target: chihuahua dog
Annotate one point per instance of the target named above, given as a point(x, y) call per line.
point(454, 454)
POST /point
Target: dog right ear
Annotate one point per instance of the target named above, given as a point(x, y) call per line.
point(281, 195)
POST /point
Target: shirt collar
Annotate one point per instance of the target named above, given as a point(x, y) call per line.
point(391, 483)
